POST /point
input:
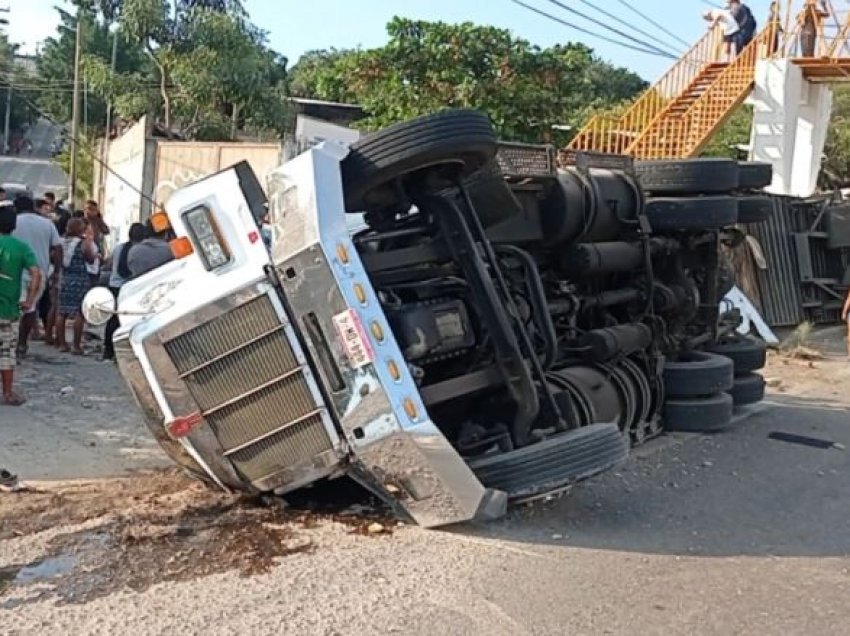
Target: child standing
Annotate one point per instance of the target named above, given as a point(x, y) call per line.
point(16, 257)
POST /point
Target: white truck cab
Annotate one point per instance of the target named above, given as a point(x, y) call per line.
point(266, 370)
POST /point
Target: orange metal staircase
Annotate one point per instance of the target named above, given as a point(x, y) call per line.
point(676, 117)
point(616, 133)
point(687, 124)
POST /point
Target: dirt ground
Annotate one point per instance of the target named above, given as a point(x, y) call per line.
point(79, 421)
point(731, 533)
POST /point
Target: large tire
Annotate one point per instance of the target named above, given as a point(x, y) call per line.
point(747, 354)
point(373, 164)
point(553, 463)
point(694, 214)
point(754, 209)
point(754, 175)
point(748, 389)
point(696, 373)
point(693, 176)
point(699, 415)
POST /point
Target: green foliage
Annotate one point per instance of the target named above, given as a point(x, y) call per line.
point(85, 165)
point(21, 111)
point(56, 68)
point(836, 167)
point(319, 74)
point(427, 66)
point(228, 67)
point(734, 132)
point(210, 72)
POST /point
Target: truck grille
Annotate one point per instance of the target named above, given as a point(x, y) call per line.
point(241, 370)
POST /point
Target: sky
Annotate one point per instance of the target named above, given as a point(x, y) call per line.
point(296, 26)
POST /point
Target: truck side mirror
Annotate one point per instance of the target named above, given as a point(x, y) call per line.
point(98, 306)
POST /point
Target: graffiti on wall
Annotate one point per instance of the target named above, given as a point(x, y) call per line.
point(177, 179)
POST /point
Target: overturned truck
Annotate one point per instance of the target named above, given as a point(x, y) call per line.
point(452, 322)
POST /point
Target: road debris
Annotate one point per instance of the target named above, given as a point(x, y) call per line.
point(802, 440)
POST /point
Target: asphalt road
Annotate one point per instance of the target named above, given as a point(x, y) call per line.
point(37, 170)
point(734, 533)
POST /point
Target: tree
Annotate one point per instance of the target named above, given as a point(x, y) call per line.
point(228, 67)
point(733, 134)
point(22, 98)
point(836, 167)
point(318, 74)
point(427, 66)
point(56, 67)
point(213, 69)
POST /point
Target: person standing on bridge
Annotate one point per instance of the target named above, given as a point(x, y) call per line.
point(746, 24)
point(731, 29)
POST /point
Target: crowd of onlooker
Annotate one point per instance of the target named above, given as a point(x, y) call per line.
point(49, 258)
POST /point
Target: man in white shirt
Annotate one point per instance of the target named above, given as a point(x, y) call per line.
point(40, 234)
point(730, 28)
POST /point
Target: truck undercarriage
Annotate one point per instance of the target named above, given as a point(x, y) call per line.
point(495, 330)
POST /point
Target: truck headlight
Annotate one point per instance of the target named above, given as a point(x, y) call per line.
point(205, 233)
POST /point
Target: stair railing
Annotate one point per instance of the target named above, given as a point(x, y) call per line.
point(685, 135)
point(610, 133)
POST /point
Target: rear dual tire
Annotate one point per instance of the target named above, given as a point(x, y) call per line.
point(747, 354)
point(692, 213)
point(677, 177)
point(554, 463)
point(748, 389)
point(699, 415)
point(696, 384)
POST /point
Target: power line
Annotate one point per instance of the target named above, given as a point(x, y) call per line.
point(613, 30)
point(84, 148)
point(624, 23)
point(654, 23)
point(581, 29)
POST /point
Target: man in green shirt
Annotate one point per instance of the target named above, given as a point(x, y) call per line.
point(16, 257)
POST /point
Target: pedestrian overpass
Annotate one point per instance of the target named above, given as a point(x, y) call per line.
point(786, 72)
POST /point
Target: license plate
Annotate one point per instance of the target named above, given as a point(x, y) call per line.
point(354, 340)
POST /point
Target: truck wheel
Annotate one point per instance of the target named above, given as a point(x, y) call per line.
point(690, 176)
point(373, 164)
point(696, 373)
point(696, 213)
point(754, 209)
point(698, 415)
point(747, 354)
point(754, 175)
point(748, 389)
point(553, 463)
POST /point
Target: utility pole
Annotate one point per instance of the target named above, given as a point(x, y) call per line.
point(113, 28)
point(75, 111)
point(6, 146)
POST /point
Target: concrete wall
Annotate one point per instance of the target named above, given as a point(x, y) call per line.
point(790, 120)
point(179, 163)
point(119, 197)
point(157, 168)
